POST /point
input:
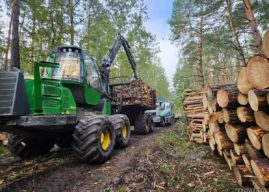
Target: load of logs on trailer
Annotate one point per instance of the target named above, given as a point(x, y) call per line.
point(136, 92)
point(238, 120)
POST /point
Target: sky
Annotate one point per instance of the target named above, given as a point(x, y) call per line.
point(159, 12)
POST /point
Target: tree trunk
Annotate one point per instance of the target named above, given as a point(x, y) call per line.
point(200, 53)
point(8, 39)
point(15, 42)
point(252, 23)
point(72, 27)
point(265, 43)
point(234, 31)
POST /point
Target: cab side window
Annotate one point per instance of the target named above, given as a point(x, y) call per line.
point(92, 74)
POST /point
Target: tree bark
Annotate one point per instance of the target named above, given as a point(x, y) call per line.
point(253, 24)
point(200, 53)
point(15, 42)
point(8, 39)
point(72, 26)
point(234, 31)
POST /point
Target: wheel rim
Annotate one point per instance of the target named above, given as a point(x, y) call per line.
point(105, 139)
point(124, 131)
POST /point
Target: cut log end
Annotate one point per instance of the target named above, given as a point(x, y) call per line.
point(261, 170)
point(265, 144)
point(245, 114)
point(262, 120)
point(255, 134)
point(242, 99)
point(242, 81)
point(257, 72)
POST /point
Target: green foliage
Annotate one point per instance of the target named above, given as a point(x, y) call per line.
point(176, 143)
point(221, 58)
point(45, 24)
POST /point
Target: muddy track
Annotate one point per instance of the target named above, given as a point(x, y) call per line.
point(61, 171)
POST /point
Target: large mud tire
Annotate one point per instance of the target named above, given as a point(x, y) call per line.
point(122, 128)
point(94, 139)
point(26, 147)
point(142, 124)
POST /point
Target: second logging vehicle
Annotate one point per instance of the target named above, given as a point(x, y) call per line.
point(68, 102)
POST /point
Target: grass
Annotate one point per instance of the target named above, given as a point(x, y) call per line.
point(3, 150)
point(122, 188)
point(175, 143)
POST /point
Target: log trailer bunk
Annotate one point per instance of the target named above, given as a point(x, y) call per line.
point(68, 102)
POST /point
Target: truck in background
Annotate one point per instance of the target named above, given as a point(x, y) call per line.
point(163, 114)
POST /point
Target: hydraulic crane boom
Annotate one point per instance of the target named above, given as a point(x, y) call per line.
point(109, 58)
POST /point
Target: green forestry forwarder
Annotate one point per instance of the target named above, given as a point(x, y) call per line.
point(67, 103)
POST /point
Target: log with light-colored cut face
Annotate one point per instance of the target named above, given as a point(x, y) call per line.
point(262, 120)
point(236, 133)
point(240, 149)
point(255, 134)
point(214, 128)
point(257, 99)
point(242, 99)
point(246, 160)
point(253, 152)
point(219, 151)
point(265, 144)
point(228, 160)
point(242, 81)
point(256, 184)
point(240, 173)
point(230, 116)
point(265, 43)
point(257, 72)
point(223, 141)
point(227, 96)
point(261, 170)
point(245, 114)
point(212, 143)
point(236, 159)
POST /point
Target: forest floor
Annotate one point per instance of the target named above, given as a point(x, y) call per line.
point(162, 161)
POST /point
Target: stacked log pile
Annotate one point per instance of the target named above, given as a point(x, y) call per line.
point(197, 116)
point(136, 92)
point(239, 121)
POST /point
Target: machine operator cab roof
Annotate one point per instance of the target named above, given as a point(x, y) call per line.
point(75, 65)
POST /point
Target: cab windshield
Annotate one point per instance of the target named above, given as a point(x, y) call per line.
point(69, 66)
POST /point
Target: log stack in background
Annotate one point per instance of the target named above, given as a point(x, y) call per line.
point(136, 92)
point(239, 121)
point(197, 116)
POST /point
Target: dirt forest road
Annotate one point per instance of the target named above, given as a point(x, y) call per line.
point(161, 161)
